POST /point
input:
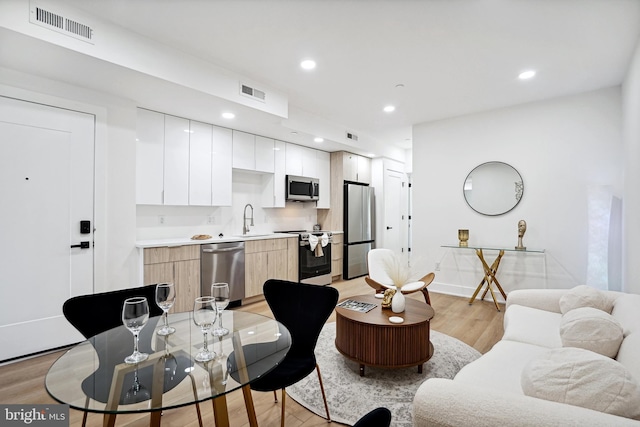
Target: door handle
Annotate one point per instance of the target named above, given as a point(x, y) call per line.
point(82, 245)
point(389, 228)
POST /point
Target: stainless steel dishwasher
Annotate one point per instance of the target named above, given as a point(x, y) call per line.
point(223, 262)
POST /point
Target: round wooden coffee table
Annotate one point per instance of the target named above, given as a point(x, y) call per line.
point(372, 340)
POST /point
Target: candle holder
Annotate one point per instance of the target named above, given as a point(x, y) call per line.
point(463, 236)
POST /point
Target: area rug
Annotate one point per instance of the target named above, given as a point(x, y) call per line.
point(350, 396)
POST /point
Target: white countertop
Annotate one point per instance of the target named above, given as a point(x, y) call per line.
point(181, 241)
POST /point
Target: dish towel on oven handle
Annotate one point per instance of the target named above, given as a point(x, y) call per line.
point(317, 248)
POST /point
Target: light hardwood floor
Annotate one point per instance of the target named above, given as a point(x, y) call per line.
point(478, 325)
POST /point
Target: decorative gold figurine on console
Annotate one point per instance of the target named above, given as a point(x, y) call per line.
point(522, 228)
point(463, 236)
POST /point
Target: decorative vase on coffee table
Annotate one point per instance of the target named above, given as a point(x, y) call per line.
point(397, 302)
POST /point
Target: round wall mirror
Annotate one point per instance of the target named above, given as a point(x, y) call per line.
point(493, 188)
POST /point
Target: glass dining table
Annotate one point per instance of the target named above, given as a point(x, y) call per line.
point(92, 376)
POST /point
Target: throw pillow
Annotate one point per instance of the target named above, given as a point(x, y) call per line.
point(591, 329)
point(582, 378)
point(585, 296)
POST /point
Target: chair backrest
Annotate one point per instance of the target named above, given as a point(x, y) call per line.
point(379, 417)
point(302, 308)
point(97, 313)
point(377, 266)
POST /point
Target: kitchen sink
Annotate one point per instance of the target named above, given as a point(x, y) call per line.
point(249, 235)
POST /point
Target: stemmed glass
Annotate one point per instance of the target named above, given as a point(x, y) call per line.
point(135, 314)
point(165, 298)
point(204, 315)
point(137, 392)
point(220, 291)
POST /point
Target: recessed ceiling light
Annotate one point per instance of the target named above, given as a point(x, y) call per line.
point(389, 109)
point(318, 139)
point(293, 132)
point(308, 64)
point(228, 115)
point(525, 75)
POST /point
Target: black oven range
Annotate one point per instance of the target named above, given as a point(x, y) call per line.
point(314, 256)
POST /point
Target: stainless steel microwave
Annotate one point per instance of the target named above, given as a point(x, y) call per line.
point(302, 189)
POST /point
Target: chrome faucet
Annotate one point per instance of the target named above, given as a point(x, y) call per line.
point(245, 228)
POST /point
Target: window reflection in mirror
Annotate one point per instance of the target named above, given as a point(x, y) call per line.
point(493, 188)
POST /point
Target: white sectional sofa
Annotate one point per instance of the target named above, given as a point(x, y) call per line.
point(489, 391)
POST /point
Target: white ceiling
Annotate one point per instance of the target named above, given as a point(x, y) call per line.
point(453, 57)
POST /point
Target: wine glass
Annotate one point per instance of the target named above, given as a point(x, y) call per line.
point(204, 315)
point(165, 298)
point(220, 291)
point(137, 392)
point(135, 314)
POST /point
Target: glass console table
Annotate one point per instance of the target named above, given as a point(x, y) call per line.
point(491, 271)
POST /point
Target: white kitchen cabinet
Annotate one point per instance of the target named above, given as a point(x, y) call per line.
point(301, 161)
point(149, 157)
point(252, 153)
point(222, 172)
point(200, 164)
point(273, 185)
point(357, 168)
point(323, 164)
point(264, 154)
point(244, 150)
point(176, 161)
point(182, 162)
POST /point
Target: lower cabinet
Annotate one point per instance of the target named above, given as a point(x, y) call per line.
point(179, 265)
point(269, 259)
point(336, 256)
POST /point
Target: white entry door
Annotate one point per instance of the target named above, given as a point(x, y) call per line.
point(46, 189)
point(393, 203)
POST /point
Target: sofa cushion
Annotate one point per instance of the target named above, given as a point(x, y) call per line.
point(500, 368)
point(591, 329)
point(626, 309)
point(629, 355)
point(585, 296)
point(532, 326)
point(582, 378)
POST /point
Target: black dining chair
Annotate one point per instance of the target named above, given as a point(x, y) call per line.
point(303, 309)
point(379, 417)
point(94, 314)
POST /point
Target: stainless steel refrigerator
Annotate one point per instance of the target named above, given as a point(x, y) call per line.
point(359, 228)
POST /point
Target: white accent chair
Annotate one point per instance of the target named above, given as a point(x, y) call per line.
point(379, 279)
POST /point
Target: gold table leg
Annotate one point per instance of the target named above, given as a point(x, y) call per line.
point(489, 278)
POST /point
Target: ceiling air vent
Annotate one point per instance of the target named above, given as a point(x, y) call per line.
point(252, 92)
point(60, 23)
point(352, 136)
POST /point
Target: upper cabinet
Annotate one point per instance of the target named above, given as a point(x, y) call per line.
point(273, 185)
point(209, 174)
point(301, 161)
point(182, 162)
point(357, 168)
point(176, 161)
point(150, 158)
point(323, 163)
point(253, 153)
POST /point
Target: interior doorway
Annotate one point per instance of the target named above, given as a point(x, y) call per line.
point(47, 189)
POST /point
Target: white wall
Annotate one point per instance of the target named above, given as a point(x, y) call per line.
point(563, 148)
point(631, 205)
